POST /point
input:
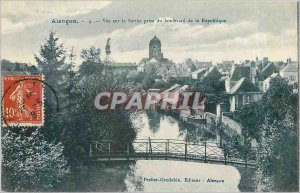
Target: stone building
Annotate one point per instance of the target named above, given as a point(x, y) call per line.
point(122, 67)
point(163, 66)
point(155, 51)
point(290, 72)
point(242, 93)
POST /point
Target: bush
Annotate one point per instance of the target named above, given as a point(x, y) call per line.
point(30, 163)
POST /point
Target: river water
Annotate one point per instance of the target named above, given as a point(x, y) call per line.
point(160, 175)
point(160, 126)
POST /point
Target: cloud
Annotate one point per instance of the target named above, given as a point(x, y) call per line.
point(17, 15)
point(10, 27)
point(180, 34)
point(210, 42)
point(252, 28)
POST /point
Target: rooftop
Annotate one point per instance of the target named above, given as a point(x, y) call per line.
point(154, 40)
point(153, 61)
point(290, 67)
point(201, 70)
point(270, 77)
point(245, 85)
point(240, 72)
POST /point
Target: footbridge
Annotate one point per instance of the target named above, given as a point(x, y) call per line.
point(170, 149)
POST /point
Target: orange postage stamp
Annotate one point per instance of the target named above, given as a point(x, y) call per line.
point(22, 100)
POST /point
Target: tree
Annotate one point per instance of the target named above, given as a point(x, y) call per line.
point(92, 61)
point(212, 89)
point(148, 79)
point(278, 100)
point(278, 156)
point(51, 62)
point(250, 117)
point(71, 72)
point(95, 125)
point(273, 106)
point(30, 163)
point(273, 122)
point(91, 55)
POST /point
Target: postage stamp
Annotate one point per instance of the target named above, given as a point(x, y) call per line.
point(22, 100)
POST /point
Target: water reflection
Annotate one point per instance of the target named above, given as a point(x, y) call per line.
point(157, 125)
point(153, 121)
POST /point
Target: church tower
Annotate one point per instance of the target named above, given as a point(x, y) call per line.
point(155, 49)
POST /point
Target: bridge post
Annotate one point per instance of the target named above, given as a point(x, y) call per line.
point(168, 146)
point(205, 157)
point(166, 150)
point(185, 151)
point(226, 152)
point(150, 146)
point(128, 151)
point(147, 151)
point(108, 150)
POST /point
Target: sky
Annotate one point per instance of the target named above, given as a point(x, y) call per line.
point(252, 28)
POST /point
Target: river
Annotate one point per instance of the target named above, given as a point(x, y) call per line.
point(159, 175)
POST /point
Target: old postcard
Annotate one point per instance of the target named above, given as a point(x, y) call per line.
point(149, 96)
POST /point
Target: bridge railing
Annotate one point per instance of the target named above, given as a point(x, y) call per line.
point(168, 149)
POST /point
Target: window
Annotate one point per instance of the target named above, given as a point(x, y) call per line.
point(249, 99)
point(292, 78)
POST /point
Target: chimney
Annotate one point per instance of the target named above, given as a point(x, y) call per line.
point(265, 59)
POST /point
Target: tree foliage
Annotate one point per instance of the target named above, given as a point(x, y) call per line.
point(278, 156)
point(34, 161)
point(250, 117)
point(273, 122)
point(91, 61)
point(52, 60)
point(30, 163)
point(89, 124)
point(51, 63)
point(212, 89)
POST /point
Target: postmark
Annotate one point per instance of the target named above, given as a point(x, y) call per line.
point(22, 100)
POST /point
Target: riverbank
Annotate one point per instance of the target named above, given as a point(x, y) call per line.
point(247, 179)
